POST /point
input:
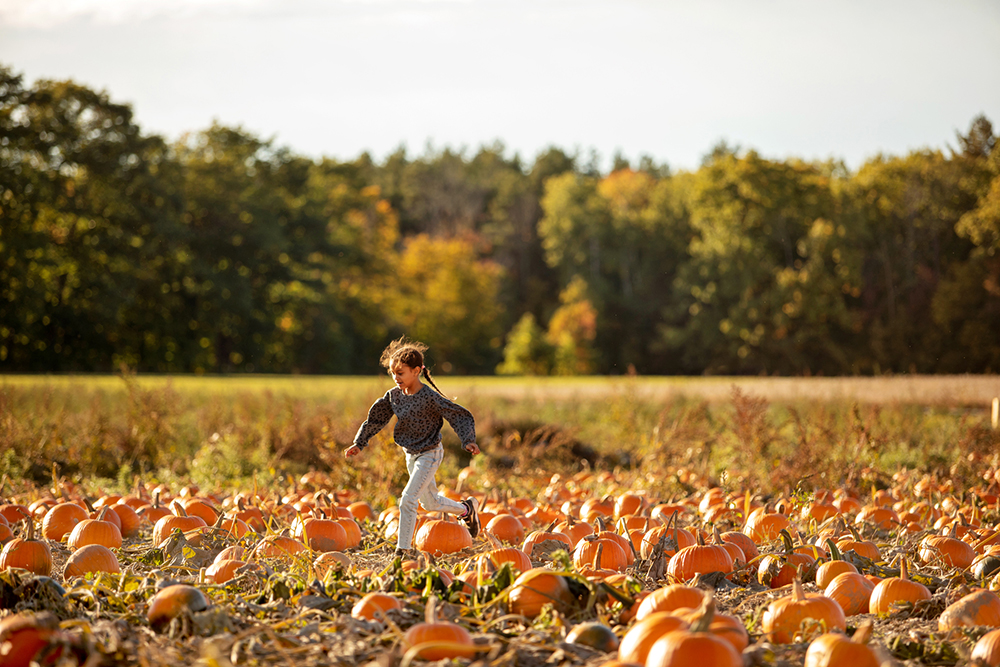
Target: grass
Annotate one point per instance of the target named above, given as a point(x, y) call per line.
point(774, 434)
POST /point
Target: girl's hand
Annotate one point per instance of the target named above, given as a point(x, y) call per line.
point(472, 448)
point(353, 450)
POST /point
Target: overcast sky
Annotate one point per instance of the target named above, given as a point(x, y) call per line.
point(842, 79)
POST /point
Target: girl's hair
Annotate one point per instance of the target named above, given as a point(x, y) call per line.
point(409, 353)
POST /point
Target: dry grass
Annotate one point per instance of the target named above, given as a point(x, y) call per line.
point(774, 433)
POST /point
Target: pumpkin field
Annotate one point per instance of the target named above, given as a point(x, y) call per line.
point(151, 520)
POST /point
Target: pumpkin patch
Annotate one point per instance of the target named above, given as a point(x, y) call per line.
point(653, 564)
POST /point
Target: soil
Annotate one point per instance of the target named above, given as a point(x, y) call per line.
point(281, 616)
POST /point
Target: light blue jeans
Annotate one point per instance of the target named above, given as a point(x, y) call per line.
point(423, 489)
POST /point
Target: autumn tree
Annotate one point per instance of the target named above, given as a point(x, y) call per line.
point(446, 296)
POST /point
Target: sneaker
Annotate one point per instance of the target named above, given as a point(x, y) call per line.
point(471, 517)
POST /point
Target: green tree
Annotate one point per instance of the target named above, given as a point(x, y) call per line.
point(89, 216)
point(758, 240)
point(527, 351)
point(906, 210)
point(572, 330)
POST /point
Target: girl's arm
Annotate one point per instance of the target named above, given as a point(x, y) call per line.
point(461, 420)
point(378, 416)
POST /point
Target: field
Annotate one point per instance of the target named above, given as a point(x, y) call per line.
point(817, 455)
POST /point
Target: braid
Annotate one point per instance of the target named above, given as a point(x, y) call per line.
point(427, 374)
point(409, 352)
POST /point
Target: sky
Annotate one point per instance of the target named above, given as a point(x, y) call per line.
point(814, 80)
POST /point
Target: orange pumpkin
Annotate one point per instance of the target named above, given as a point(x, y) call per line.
point(353, 531)
point(96, 531)
point(600, 553)
point(852, 591)
point(14, 512)
point(896, 590)
point(221, 571)
point(977, 608)
point(682, 648)
point(763, 526)
point(795, 614)
point(699, 559)
point(322, 534)
point(277, 546)
point(128, 519)
point(373, 606)
point(834, 648)
point(61, 520)
point(492, 560)
point(987, 649)
point(628, 504)
point(635, 645)
point(723, 626)
point(746, 545)
point(24, 635)
point(539, 536)
point(438, 640)
point(537, 587)
point(173, 601)
point(443, 537)
point(948, 550)
point(674, 539)
point(574, 530)
point(167, 524)
point(91, 558)
point(27, 553)
point(506, 528)
point(669, 598)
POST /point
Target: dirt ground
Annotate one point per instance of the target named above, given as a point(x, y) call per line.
point(279, 617)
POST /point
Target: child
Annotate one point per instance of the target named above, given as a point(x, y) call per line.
point(420, 414)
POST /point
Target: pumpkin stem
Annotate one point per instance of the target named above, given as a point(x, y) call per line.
point(903, 573)
point(864, 633)
point(178, 508)
point(56, 485)
point(30, 525)
point(631, 544)
point(798, 593)
point(834, 551)
point(704, 621)
point(89, 504)
point(854, 532)
point(430, 611)
point(786, 540)
point(492, 539)
point(597, 555)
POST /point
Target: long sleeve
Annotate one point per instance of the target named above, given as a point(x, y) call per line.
point(378, 416)
point(460, 419)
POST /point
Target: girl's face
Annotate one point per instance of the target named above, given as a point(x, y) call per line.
point(406, 377)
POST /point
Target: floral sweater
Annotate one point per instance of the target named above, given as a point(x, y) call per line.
point(419, 419)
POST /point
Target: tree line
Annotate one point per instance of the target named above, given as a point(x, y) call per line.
point(222, 252)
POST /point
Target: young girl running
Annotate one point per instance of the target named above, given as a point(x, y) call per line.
point(420, 414)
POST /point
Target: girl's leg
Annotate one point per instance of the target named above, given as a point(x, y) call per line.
point(431, 499)
point(422, 468)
